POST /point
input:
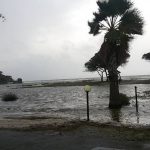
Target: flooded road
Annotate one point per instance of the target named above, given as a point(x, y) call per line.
point(70, 102)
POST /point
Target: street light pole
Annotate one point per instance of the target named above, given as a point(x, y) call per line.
point(87, 97)
point(136, 99)
point(87, 89)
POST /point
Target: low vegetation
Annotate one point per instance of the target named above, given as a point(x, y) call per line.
point(9, 97)
point(124, 99)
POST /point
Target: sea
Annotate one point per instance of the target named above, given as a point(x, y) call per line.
point(70, 102)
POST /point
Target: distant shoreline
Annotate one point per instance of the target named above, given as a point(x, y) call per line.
point(82, 83)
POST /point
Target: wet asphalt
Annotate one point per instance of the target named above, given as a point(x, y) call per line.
point(79, 139)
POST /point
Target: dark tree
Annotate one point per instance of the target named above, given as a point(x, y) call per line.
point(5, 78)
point(96, 64)
point(119, 22)
point(2, 17)
point(146, 56)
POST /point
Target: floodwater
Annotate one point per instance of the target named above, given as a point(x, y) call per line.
point(70, 102)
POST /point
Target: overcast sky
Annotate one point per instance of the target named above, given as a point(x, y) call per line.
point(48, 39)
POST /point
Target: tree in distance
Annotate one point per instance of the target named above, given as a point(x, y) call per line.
point(146, 56)
point(119, 21)
point(2, 17)
point(97, 64)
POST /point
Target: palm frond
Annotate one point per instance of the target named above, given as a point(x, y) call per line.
point(99, 17)
point(131, 22)
point(108, 12)
point(119, 7)
point(94, 28)
point(114, 7)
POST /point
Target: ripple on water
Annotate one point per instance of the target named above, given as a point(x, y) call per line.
point(71, 102)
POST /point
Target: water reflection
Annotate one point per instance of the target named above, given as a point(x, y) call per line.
point(138, 117)
point(115, 114)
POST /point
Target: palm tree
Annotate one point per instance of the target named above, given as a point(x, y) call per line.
point(119, 22)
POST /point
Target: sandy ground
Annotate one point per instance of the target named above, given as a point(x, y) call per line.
point(27, 123)
point(40, 123)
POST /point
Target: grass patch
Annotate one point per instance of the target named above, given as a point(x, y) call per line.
point(9, 97)
point(124, 99)
point(146, 93)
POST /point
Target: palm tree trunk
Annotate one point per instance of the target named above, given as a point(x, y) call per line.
point(114, 101)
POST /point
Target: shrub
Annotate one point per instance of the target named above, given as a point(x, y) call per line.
point(124, 99)
point(9, 97)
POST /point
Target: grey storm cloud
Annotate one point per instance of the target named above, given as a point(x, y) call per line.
point(49, 39)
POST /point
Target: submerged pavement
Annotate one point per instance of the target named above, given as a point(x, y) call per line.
point(82, 138)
